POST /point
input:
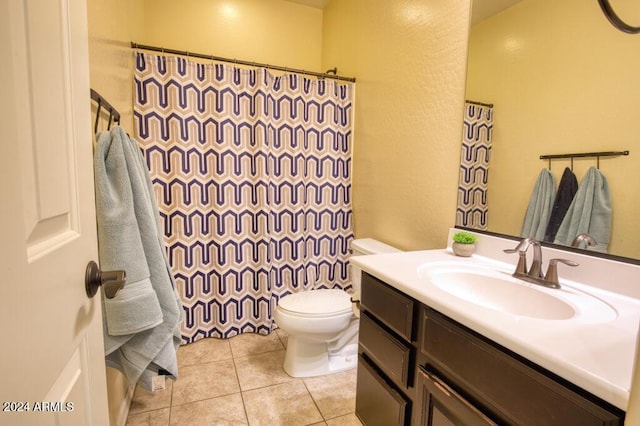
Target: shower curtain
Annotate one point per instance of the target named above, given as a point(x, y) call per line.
point(472, 207)
point(252, 172)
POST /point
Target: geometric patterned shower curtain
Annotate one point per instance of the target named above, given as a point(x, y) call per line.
point(474, 166)
point(252, 173)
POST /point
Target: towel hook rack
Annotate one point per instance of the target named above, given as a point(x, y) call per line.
point(95, 127)
point(597, 155)
point(114, 115)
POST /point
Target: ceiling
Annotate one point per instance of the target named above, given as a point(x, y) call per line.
point(482, 9)
point(318, 4)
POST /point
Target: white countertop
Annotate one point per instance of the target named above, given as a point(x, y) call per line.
point(596, 356)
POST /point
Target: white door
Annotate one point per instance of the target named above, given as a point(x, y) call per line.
point(52, 357)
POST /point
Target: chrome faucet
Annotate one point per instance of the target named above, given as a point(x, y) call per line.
point(586, 238)
point(536, 266)
point(534, 274)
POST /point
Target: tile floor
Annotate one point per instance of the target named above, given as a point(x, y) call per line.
point(240, 381)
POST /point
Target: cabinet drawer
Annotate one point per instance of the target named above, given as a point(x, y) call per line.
point(441, 405)
point(388, 305)
point(506, 385)
point(377, 403)
point(391, 355)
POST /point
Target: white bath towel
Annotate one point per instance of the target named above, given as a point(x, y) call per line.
point(142, 322)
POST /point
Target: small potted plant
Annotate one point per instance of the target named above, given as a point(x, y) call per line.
point(464, 244)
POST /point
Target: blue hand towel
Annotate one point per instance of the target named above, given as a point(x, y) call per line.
point(590, 212)
point(142, 322)
point(539, 209)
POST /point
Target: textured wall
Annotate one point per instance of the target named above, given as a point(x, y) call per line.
point(410, 61)
point(112, 27)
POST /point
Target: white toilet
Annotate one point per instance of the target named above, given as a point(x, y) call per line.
point(323, 324)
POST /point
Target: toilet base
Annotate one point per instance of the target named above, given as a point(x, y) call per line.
point(309, 359)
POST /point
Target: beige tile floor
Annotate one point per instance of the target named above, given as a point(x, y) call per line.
point(240, 381)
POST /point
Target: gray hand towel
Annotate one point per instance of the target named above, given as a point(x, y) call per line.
point(590, 212)
point(539, 209)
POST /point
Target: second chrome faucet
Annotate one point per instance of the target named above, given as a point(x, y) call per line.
point(534, 273)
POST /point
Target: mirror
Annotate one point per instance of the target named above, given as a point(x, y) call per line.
point(562, 80)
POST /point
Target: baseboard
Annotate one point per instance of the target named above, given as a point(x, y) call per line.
point(123, 411)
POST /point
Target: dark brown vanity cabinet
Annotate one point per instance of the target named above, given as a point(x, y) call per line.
point(501, 386)
point(417, 366)
point(387, 350)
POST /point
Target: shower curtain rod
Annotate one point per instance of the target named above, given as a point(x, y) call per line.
point(479, 103)
point(328, 74)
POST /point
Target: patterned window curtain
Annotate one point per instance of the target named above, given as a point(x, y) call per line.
point(252, 172)
point(472, 208)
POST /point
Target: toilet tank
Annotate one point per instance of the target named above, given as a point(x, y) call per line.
point(361, 247)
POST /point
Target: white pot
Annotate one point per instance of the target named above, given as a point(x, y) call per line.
point(463, 250)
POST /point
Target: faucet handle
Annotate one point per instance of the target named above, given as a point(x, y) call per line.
point(521, 267)
point(552, 271)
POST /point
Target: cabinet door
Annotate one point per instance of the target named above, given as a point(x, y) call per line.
point(377, 402)
point(509, 387)
point(442, 406)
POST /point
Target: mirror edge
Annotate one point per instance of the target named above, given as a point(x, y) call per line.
point(606, 256)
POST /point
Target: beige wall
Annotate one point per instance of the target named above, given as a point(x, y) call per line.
point(562, 80)
point(113, 24)
point(265, 31)
point(409, 58)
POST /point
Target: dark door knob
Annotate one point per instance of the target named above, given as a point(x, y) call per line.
point(111, 281)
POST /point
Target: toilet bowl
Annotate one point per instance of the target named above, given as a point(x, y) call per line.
point(322, 325)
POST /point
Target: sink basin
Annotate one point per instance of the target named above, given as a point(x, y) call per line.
point(496, 289)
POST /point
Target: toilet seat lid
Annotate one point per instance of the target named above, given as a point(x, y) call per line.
point(317, 302)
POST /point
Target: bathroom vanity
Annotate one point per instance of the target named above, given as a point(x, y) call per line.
point(427, 356)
